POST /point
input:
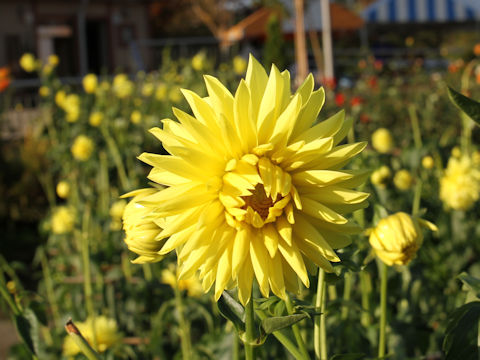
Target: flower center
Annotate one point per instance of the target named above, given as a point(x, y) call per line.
point(255, 191)
point(258, 201)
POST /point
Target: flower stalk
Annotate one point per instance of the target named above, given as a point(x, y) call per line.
point(249, 330)
point(320, 334)
point(185, 339)
point(296, 330)
point(383, 309)
point(83, 345)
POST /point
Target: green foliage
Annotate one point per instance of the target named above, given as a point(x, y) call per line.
point(467, 105)
point(274, 51)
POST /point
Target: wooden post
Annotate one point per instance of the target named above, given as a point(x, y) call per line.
point(300, 44)
point(327, 41)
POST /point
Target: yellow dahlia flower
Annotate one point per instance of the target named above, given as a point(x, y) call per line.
point(122, 86)
point(117, 209)
point(460, 185)
point(60, 97)
point(90, 83)
point(82, 148)
point(428, 162)
point(403, 180)
point(28, 62)
point(44, 91)
point(142, 230)
point(106, 335)
point(53, 60)
point(193, 286)
point(95, 118)
point(382, 141)
point(63, 220)
point(147, 89)
point(63, 189)
point(198, 61)
point(239, 65)
point(135, 117)
point(161, 92)
point(254, 186)
point(381, 176)
point(397, 238)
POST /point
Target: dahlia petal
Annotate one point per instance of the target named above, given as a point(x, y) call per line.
point(324, 129)
point(284, 228)
point(318, 210)
point(309, 112)
point(180, 222)
point(305, 90)
point(166, 178)
point(312, 253)
point(242, 185)
point(256, 80)
point(224, 271)
point(222, 99)
point(270, 235)
point(337, 195)
point(241, 248)
point(276, 280)
point(260, 259)
point(307, 232)
point(243, 117)
point(346, 126)
point(244, 281)
point(338, 155)
point(176, 240)
point(173, 165)
point(320, 177)
point(202, 111)
point(283, 125)
point(295, 260)
point(270, 105)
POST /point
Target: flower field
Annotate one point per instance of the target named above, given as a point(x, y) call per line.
point(215, 211)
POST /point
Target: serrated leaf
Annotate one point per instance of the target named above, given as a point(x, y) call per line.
point(275, 323)
point(472, 283)
point(232, 310)
point(461, 335)
point(351, 356)
point(467, 105)
point(27, 328)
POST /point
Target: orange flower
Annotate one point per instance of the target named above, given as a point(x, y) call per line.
point(476, 49)
point(4, 78)
point(452, 68)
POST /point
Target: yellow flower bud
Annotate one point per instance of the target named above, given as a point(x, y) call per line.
point(192, 285)
point(11, 287)
point(95, 118)
point(147, 89)
point(136, 117)
point(63, 189)
point(397, 238)
point(53, 60)
point(456, 152)
point(28, 62)
point(161, 92)
point(60, 97)
point(382, 141)
point(63, 220)
point(460, 185)
point(90, 82)
point(198, 61)
point(117, 209)
point(140, 229)
point(403, 180)
point(44, 91)
point(82, 148)
point(427, 162)
point(239, 65)
point(101, 329)
point(381, 176)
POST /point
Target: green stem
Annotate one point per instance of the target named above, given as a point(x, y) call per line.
point(249, 330)
point(284, 340)
point(147, 271)
point(366, 289)
point(417, 197)
point(117, 158)
point(49, 286)
point(6, 296)
point(417, 137)
point(184, 326)
point(347, 289)
point(84, 346)
point(383, 309)
point(319, 331)
point(296, 330)
point(235, 346)
point(87, 277)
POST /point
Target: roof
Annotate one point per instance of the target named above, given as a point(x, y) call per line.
point(422, 11)
point(254, 25)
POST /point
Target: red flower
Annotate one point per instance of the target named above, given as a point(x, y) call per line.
point(364, 119)
point(4, 78)
point(339, 99)
point(356, 101)
point(372, 82)
point(378, 65)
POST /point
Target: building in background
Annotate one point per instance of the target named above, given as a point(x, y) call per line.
point(88, 36)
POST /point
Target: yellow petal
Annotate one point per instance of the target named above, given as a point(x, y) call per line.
point(294, 259)
point(260, 259)
point(318, 210)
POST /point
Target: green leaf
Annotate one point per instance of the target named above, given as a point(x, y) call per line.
point(275, 323)
point(27, 328)
point(467, 105)
point(471, 283)
point(351, 356)
point(461, 335)
point(232, 310)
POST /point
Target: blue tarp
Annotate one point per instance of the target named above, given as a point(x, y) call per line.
point(422, 11)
